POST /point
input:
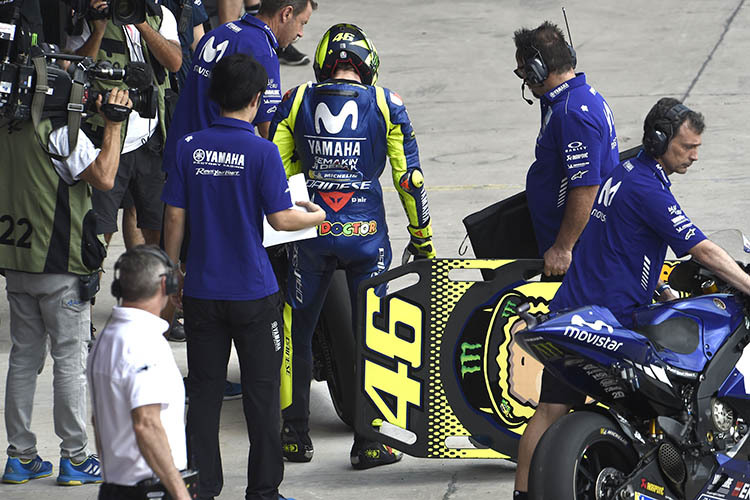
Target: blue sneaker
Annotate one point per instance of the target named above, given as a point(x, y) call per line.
point(232, 391)
point(72, 474)
point(18, 471)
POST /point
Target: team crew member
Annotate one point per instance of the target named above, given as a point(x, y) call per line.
point(226, 177)
point(46, 274)
point(576, 146)
point(575, 149)
point(278, 23)
point(156, 43)
point(339, 132)
point(136, 387)
point(636, 210)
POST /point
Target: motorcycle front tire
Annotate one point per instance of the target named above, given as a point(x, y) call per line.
point(572, 454)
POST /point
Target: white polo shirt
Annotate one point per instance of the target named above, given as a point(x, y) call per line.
point(131, 365)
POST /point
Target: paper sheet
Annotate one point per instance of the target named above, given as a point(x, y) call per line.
point(298, 192)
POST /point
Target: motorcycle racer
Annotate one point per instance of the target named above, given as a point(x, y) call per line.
point(338, 132)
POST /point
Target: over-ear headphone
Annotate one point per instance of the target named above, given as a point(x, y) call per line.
point(656, 139)
point(536, 70)
point(172, 283)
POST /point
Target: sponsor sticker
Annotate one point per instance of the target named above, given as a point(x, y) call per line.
point(575, 146)
point(335, 199)
point(348, 229)
point(592, 339)
point(597, 325)
point(219, 158)
point(558, 90)
point(609, 432)
point(651, 487)
point(579, 175)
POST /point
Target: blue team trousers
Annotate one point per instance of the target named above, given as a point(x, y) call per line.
point(311, 267)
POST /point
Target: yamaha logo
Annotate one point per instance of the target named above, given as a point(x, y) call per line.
point(199, 155)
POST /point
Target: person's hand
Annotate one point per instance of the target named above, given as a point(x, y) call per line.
point(309, 206)
point(99, 5)
point(176, 298)
point(420, 242)
point(667, 294)
point(557, 261)
point(118, 98)
point(313, 208)
point(141, 26)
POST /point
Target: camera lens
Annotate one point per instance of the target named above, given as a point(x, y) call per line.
point(125, 9)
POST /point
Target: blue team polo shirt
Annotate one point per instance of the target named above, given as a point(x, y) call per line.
point(619, 256)
point(576, 146)
point(226, 178)
point(195, 110)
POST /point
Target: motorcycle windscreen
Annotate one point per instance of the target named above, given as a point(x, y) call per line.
point(436, 360)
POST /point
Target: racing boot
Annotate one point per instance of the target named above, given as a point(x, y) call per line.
point(368, 454)
point(296, 445)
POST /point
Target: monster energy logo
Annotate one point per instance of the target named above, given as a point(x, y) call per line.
point(509, 310)
point(547, 350)
point(467, 360)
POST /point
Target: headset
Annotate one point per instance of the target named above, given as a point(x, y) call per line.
point(172, 282)
point(656, 139)
point(536, 70)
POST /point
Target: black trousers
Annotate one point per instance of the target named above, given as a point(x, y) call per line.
point(109, 491)
point(256, 329)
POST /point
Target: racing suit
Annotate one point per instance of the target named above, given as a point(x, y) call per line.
point(338, 133)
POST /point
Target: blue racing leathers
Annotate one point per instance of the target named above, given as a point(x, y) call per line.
point(338, 134)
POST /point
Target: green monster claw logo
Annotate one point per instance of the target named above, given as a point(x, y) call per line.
point(467, 360)
point(509, 310)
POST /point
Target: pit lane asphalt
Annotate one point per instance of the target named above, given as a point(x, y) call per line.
point(451, 62)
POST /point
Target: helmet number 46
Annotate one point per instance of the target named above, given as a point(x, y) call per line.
point(341, 36)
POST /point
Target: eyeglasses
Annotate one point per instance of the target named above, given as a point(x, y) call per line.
point(520, 73)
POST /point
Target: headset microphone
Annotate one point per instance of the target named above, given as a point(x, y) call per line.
point(523, 94)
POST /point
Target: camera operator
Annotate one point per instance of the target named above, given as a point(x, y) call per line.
point(156, 43)
point(136, 387)
point(50, 255)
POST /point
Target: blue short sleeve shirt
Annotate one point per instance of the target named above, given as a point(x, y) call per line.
point(226, 178)
point(195, 110)
point(576, 146)
point(619, 256)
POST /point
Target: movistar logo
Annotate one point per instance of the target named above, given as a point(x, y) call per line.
point(209, 53)
point(335, 123)
point(607, 192)
point(468, 360)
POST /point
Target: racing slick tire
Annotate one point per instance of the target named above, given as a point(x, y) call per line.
point(579, 450)
point(333, 348)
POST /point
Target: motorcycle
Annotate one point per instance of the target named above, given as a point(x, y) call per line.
point(673, 394)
